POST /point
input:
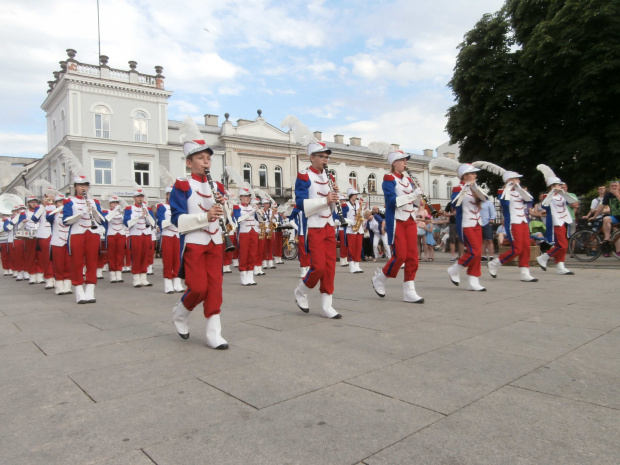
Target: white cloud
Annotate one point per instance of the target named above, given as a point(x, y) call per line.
point(23, 145)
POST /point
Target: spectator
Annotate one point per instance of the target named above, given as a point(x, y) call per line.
point(528, 206)
point(571, 209)
point(376, 226)
point(430, 240)
point(538, 212)
point(612, 200)
point(438, 223)
point(501, 234)
point(421, 234)
point(595, 203)
point(376, 211)
point(453, 238)
point(487, 216)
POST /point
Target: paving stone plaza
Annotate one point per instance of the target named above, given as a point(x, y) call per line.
point(526, 373)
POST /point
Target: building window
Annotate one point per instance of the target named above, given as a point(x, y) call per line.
point(140, 127)
point(372, 184)
point(141, 173)
point(278, 181)
point(102, 122)
point(262, 175)
point(435, 193)
point(353, 179)
point(449, 189)
point(247, 173)
point(103, 171)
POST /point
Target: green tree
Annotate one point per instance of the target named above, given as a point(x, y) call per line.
point(538, 82)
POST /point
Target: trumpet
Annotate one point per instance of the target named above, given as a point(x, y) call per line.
point(416, 183)
point(93, 223)
point(228, 245)
point(343, 221)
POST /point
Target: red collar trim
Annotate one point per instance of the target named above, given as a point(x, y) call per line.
point(198, 177)
point(315, 171)
point(396, 175)
point(139, 206)
point(78, 197)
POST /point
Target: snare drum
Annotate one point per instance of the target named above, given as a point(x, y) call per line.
point(26, 234)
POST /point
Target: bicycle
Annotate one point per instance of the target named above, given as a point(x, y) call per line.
point(586, 245)
point(289, 247)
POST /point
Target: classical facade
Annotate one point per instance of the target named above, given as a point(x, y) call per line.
point(116, 122)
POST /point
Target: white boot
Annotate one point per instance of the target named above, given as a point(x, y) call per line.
point(59, 287)
point(168, 288)
point(6, 272)
point(40, 278)
point(526, 276)
point(214, 334)
point(178, 285)
point(119, 277)
point(106, 268)
point(137, 282)
point(542, 261)
point(243, 278)
point(180, 318)
point(474, 284)
point(113, 278)
point(358, 268)
point(99, 273)
point(494, 265)
point(26, 275)
point(278, 260)
point(226, 269)
point(258, 271)
point(32, 279)
point(409, 294)
point(352, 267)
point(80, 297)
point(235, 262)
point(89, 293)
point(302, 271)
point(67, 287)
point(49, 283)
point(19, 276)
point(265, 264)
point(326, 307)
point(149, 270)
point(301, 297)
point(455, 273)
point(144, 281)
point(562, 269)
point(271, 265)
point(249, 277)
point(378, 282)
point(343, 261)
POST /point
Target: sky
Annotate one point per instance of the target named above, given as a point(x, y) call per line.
point(372, 69)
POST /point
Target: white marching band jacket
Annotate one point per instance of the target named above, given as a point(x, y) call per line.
point(76, 215)
point(559, 208)
point(516, 197)
point(164, 216)
point(44, 229)
point(311, 189)
point(139, 219)
point(245, 216)
point(115, 222)
point(60, 231)
point(350, 211)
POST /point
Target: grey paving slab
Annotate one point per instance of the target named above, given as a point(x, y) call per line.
point(108, 318)
point(136, 457)
point(536, 340)
point(486, 317)
point(447, 379)
point(514, 426)
point(582, 315)
point(339, 424)
point(20, 352)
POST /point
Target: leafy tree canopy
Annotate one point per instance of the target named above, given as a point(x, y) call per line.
point(539, 82)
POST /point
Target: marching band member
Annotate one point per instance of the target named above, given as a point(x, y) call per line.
point(140, 220)
point(116, 236)
point(269, 234)
point(352, 211)
point(558, 218)
point(4, 246)
point(102, 258)
point(170, 246)
point(296, 222)
point(278, 237)
point(196, 211)
point(376, 225)
point(17, 253)
point(231, 230)
point(83, 216)
point(513, 200)
point(45, 269)
point(402, 201)
point(316, 200)
point(262, 235)
point(29, 224)
point(344, 250)
point(61, 261)
point(8, 229)
point(245, 216)
point(152, 250)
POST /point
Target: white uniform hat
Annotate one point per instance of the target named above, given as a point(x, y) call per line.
point(138, 191)
point(191, 138)
point(550, 177)
point(553, 180)
point(266, 201)
point(397, 155)
point(59, 197)
point(80, 180)
point(114, 198)
point(510, 174)
point(465, 168)
point(31, 198)
point(351, 191)
point(318, 147)
point(244, 191)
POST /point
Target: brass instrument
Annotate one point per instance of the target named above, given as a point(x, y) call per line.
point(359, 219)
point(228, 245)
point(343, 221)
point(416, 183)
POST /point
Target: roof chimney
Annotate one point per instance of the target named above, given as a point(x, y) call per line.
point(396, 146)
point(318, 135)
point(211, 120)
point(428, 153)
point(357, 141)
point(339, 139)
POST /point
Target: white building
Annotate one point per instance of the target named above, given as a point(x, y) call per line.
point(116, 123)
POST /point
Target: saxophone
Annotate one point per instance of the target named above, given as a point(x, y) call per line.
point(359, 219)
point(263, 227)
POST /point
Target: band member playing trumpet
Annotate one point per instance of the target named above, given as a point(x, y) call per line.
point(170, 246)
point(316, 195)
point(140, 220)
point(61, 261)
point(44, 235)
point(16, 244)
point(116, 236)
point(245, 216)
point(354, 236)
point(196, 211)
point(83, 215)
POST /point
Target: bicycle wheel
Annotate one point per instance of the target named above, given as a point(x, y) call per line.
point(585, 246)
point(615, 242)
point(290, 253)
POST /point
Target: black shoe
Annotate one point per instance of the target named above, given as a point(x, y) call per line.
point(484, 259)
point(184, 336)
point(221, 347)
point(336, 317)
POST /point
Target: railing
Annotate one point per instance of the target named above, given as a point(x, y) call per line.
point(116, 74)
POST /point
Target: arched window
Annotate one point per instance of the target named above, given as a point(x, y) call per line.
point(353, 179)
point(278, 181)
point(102, 122)
point(449, 189)
point(140, 126)
point(333, 174)
point(372, 183)
point(262, 175)
point(247, 173)
point(435, 193)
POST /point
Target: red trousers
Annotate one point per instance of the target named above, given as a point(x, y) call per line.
point(128, 251)
point(116, 252)
point(304, 259)
point(322, 247)
point(278, 243)
point(140, 252)
point(43, 258)
point(558, 251)
point(248, 245)
point(5, 256)
point(102, 259)
point(30, 257)
point(84, 250)
point(519, 246)
point(258, 258)
point(404, 250)
point(268, 249)
point(354, 244)
point(17, 255)
point(472, 239)
point(170, 256)
point(344, 250)
point(203, 277)
point(153, 249)
point(61, 263)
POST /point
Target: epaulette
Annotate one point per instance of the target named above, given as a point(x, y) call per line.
point(303, 175)
point(500, 192)
point(388, 177)
point(182, 184)
point(159, 205)
point(105, 212)
point(149, 209)
point(96, 201)
point(236, 207)
point(66, 201)
point(128, 207)
point(456, 189)
point(343, 205)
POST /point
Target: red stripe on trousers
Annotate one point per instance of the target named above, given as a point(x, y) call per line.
point(140, 250)
point(404, 250)
point(248, 246)
point(116, 252)
point(472, 252)
point(520, 245)
point(61, 262)
point(322, 247)
point(170, 256)
point(84, 251)
point(203, 277)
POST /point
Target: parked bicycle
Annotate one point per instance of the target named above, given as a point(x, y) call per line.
point(586, 245)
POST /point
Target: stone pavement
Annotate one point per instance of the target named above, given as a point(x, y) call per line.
point(521, 374)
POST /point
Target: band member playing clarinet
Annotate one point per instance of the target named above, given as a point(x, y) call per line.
point(140, 220)
point(196, 211)
point(316, 196)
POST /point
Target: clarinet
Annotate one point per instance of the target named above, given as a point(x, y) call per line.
point(416, 183)
point(343, 221)
point(228, 245)
point(93, 223)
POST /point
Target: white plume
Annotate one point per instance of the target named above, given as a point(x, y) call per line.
point(490, 167)
point(444, 163)
point(165, 176)
point(263, 195)
point(381, 148)
point(46, 187)
point(188, 130)
point(71, 161)
point(546, 171)
point(235, 176)
point(300, 131)
point(21, 190)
